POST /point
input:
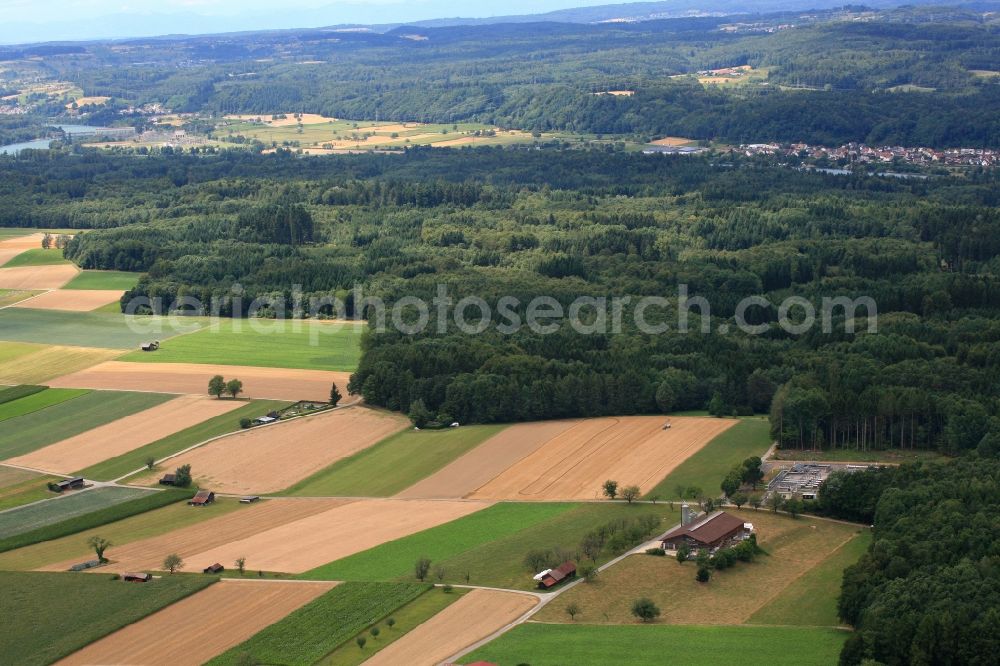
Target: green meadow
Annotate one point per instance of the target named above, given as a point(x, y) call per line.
point(442, 544)
point(43, 514)
point(37, 257)
point(103, 280)
point(89, 329)
point(29, 432)
point(266, 343)
point(395, 463)
point(48, 616)
point(658, 644)
point(708, 467)
point(812, 598)
point(38, 401)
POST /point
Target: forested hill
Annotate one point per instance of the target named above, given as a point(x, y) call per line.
point(568, 223)
point(909, 76)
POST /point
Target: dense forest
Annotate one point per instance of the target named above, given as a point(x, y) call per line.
point(908, 76)
point(927, 590)
point(569, 223)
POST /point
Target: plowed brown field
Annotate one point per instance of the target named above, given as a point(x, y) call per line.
point(148, 554)
point(473, 617)
point(631, 450)
point(125, 434)
point(272, 383)
point(487, 461)
point(73, 300)
point(270, 458)
point(37, 277)
point(202, 626)
point(324, 537)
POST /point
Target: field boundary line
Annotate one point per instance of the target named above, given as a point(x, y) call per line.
point(25, 300)
point(230, 434)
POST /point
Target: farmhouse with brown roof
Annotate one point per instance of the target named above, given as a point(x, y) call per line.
point(552, 577)
point(712, 531)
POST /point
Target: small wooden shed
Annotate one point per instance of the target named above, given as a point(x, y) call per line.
point(214, 569)
point(137, 577)
point(168, 479)
point(202, 498)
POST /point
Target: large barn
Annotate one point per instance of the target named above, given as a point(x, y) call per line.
point(713, 531)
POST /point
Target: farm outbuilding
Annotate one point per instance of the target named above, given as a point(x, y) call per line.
point(214, 568)
point(137, 577)
point(552, 577)
point(74, 483)
point(202, 498)
point(168, 479)
point(150, 346)
point(715, 530)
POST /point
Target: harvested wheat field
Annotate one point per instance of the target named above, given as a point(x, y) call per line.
point(50, 276)
point(473, 617)
point(126, 434)
point(202, 626)
point(269, 383)
point(12, 247)
point(479, 466)
point(73, 300)
point(46, 362)
point(148, 554)
point(270, 458)
point(672, 141)
point(324, 537)
point(632, 450)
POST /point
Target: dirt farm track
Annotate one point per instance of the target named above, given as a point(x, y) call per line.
point(194, 630)
point(272, 383)
point(271, 458)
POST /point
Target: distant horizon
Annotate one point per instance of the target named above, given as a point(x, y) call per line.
point(108, 20)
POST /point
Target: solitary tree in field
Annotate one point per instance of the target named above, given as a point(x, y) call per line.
point(391, 622)
point(645, 609)
point(335, 394)
point(173, 562)
point(572, 609)
point(440, 572)
point(703, 575)
point(421, 568)
point(375, 631)
point(99, 544)
point(150, 462)
point(234, 387)
point(361, 640)
point(610, 489)
point(630, 493)
point(217, 386)
point(241, 564)
point(182, 476)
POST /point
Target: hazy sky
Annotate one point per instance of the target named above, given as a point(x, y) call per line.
point(39, 20)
